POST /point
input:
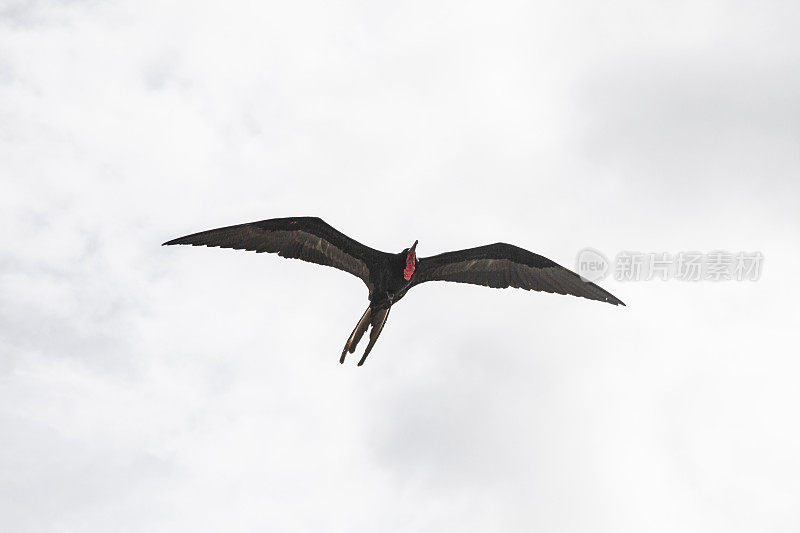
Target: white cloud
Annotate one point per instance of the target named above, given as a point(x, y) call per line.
point(154, 389)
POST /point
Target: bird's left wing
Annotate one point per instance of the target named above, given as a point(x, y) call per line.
point(503, 265)
point(308, 238)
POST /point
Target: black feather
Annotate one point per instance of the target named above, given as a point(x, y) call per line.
point(502, 265)
point(308, 238)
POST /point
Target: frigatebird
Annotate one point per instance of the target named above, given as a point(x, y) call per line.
point(389, 276)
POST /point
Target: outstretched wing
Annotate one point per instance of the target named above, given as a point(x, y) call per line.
point(308, 238)
point(503, 265)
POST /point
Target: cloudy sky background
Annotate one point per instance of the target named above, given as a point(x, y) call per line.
point(172, 389)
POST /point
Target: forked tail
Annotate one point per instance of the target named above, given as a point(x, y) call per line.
point(371, 317)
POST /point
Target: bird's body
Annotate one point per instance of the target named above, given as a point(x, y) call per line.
point(388, 279)
point(389, 276)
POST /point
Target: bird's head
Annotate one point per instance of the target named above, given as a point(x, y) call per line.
point(411, 261)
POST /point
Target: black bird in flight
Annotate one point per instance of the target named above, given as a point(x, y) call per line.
point(389, 276)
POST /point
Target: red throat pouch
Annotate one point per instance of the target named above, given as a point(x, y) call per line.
point(411, 260)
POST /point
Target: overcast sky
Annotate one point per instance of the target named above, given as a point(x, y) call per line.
point(150, 389)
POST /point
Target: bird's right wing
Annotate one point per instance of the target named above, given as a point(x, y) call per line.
point(503, 265)
point(308, 238)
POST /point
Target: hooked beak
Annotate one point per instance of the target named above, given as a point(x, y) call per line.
point(414, 246)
